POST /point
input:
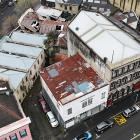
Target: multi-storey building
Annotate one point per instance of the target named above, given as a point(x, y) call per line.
point(73, 90)
point(113, 53)
point(127, 5)
point(14, 125)
point(71, 6)
point(20, 61)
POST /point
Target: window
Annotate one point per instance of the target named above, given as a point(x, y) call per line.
point(23, 133)
point(38, 61)
point(41, 56)
point(65, 7)
point(84, 104)
point(20, 100)
point(70, 8)
point(58, 27)
point(115, 95)
point(30, 72)
point(89, 101)
point(34, 66)
point(69, 111)
point(103, 95)
point(23, 95)
point(13, 137)
point(26, 79)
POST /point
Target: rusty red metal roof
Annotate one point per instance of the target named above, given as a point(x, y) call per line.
point(60, 57)
point(71, 78)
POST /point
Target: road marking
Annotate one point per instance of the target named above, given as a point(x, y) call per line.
point(97, 136)
point(120, 119)
point(115, 115)
point(135, 137)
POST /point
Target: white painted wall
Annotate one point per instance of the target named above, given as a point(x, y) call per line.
point(76, 105)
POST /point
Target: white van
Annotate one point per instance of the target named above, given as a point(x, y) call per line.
point(52, 119)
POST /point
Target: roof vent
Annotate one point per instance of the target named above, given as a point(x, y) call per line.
point(77, 28)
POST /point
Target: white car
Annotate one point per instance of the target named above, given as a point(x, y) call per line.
point(52, 119)
point(131, 111)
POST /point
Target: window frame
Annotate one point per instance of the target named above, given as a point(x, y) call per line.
point(69, 111)
point(23, 131)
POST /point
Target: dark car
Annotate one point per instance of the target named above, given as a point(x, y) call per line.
point(85, 136)
point(45, 107)
point(101, 127)
point(131, 111)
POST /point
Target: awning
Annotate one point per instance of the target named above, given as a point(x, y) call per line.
point(136, 86)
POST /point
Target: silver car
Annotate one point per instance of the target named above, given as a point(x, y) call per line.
point(101, 127)
point(131, 111)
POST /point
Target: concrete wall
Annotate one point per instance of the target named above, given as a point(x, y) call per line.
point(127, 5)
point(73, 9)
point(27, 82)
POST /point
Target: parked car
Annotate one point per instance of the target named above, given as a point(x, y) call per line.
point(43, 104)
point(84, 136)
point(131, 111)
point(101, 127)
point(52, 120)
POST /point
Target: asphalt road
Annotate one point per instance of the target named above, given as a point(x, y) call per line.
point(41, 129)
point(128, 131)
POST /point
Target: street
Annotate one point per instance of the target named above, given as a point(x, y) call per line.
point(41, 129)
point(5, 12)
point(127, 131)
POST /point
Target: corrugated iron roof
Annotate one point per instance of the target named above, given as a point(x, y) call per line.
point(73, 78)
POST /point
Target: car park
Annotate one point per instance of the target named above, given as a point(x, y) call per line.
point(131, 111)
point(84, 136)
point(101, 127)
point(52, 120)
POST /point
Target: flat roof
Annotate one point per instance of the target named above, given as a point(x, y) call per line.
point(19, 49)
point(16, 62)
point(14, 77)
point(27, 38)
point(71, 78)
point(9, 110)
point(103, 37)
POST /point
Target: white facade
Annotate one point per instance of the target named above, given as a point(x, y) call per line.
point(78, 112)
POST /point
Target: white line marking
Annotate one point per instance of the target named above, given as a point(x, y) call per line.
point(135, 137)
point(97, 136)
point(115, 115)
